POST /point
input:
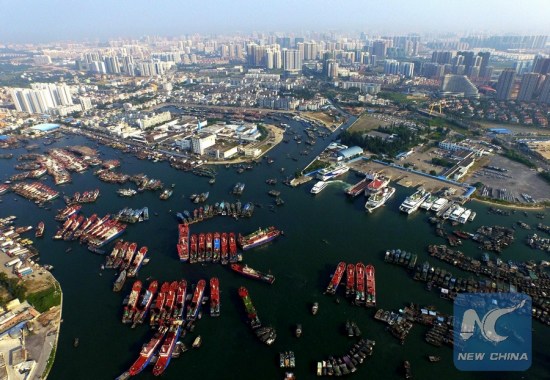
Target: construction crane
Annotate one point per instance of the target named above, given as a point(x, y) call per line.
point(439, 104)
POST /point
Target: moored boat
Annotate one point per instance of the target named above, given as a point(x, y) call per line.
point(360, 283)
point(350, 280)
point(379, 198)
point(196, 301)
point(259, 237)
point(147, 352)
point(370, 300)
point(214, 297)
point(245, 270)
point(336, 278)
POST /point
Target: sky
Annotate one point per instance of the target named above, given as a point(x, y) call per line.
point(62, 20)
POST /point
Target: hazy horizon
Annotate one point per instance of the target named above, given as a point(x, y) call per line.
point(54, 20)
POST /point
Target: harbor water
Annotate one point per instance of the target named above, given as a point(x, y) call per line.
point(319, 232)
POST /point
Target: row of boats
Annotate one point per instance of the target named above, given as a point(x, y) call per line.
point(223, 208)
point(94, 231)
point(86, 197)
point(206, 247)
point(35, 191)
point(360, 283)
point(129, 215)
point(441, 206)
point(127, 257)
point(167, 313)
point(219, 247)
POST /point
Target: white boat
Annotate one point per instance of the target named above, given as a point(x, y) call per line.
point(449, 211)
point(428, 203)
point(472, 216)
point(465, 216)
point(457, 212)
point(439, 204)
point(329, 173)
point(318, 187)
point(413, 202)
point(379, 198)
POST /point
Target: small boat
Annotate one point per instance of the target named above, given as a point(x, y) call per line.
point(76, 342)
point(315, 308)
point(434, 359)
point(197, 342)
point(298, 330)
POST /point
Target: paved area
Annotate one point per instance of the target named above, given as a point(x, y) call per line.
point(508, 185)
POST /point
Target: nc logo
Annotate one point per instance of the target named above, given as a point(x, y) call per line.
point(487, 324)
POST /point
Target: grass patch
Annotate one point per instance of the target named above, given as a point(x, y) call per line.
point(45, 299)
point(315, 165)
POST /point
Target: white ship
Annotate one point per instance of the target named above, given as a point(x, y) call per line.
point(428, 203)
point(413, 202)
point(379, 198)
point(318, 187)
point(465, 216)
point(329, 173)
point(439, 204)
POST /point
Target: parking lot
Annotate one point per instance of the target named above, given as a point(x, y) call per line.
point(509, 184)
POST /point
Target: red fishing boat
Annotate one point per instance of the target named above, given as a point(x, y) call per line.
point(336, 278)
point(350, 280)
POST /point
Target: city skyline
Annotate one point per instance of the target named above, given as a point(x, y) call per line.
point(56, 20)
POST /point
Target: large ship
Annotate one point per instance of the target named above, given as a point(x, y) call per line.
point(128, 256)
point(194, 249)
point(360, 283)
point(67, 212)
point(413, 202)
point(159, 303)
point(166, 350)
point(166, 313)
point(216, 242)
point(336, 278)
point(119, 282)
point(350, 280)
point(262, 236)
point(214, 297)
point(202, 247)
point(39, 230)
point(318, 187)
point(130, 308)
point(209, 246)
point(245, 270)
point(233, 257)
point(329, 173)
point(253, 318)
point(224, 248)
point(377, 184)
point(371, 287)
point(147, 352)
point(145, 304)
point(183, 242)
point(429, 202)
point(137, 262)
point(196, 301)
point(379, 198)
point(439, 204)
point(117, 255)
point(180, 300)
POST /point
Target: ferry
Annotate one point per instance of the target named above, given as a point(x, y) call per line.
point(329, 173)
point(429, 202)
point(318, 187)
point(439, 204)
point(379, 198)
point(465, 216)
point(413, 202)
point(377, 184)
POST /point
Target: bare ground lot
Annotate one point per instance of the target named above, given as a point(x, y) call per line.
point(517, 180)
point(368, 122)
point(517, 129)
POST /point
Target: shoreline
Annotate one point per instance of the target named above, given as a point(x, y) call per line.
point(513, 206)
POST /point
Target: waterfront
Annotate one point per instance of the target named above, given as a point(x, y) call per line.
point(319, 231)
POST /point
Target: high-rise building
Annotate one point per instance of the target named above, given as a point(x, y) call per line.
point(379, 48)
point(41, 97)
point(391, 66)
point(529, 85)
point(541, 65)
point(406, 69)
point(545, 91)
point(505, 84)
point(332, 69)
point(291, 60)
